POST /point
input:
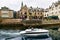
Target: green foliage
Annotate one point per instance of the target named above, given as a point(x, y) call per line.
point(55, 34)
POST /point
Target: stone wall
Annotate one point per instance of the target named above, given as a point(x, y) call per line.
point(5, 21)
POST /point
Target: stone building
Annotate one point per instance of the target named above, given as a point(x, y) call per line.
point(6, 12)
point(35, 13)
point(30, 12)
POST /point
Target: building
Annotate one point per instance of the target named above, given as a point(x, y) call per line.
point(23, 13)
point(46, 12)
point(30, 12)
point(53, 11)
point(15, 14)
point(6, 12)
point(36, 13)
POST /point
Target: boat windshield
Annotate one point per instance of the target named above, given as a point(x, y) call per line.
point(37, 37)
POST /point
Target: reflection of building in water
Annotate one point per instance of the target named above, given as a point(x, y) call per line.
point(30, 13)
point(6, 13)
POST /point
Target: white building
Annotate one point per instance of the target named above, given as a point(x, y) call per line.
point(53, 10)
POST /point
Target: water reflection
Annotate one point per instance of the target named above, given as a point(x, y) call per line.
point(9, 34)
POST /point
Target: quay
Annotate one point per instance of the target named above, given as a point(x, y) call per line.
point(18, 23)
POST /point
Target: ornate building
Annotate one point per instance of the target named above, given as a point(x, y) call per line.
point(6, 12)
point(30, 13)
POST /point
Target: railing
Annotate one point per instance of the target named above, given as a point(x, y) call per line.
point(50, 21)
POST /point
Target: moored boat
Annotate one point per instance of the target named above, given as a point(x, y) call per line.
point(35, 34)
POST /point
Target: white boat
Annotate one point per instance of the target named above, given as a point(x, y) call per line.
point(35, 34)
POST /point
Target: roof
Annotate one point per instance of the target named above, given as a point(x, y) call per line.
point(5, 8)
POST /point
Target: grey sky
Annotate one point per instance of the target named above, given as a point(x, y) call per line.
point(16, 4)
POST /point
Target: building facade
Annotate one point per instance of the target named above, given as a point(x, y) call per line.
point(53, 10)
point(6, 12)
point(30, 13)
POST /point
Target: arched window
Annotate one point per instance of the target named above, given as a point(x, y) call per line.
point(25, 16)
point(25, 13)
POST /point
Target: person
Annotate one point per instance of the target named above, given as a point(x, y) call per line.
point(32, 28)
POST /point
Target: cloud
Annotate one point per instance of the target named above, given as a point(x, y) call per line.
point(39, 3)
point(16, 4)
point(12, 4)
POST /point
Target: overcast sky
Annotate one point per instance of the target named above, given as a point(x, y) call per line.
point(16, 4)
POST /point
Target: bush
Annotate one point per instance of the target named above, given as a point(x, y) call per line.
point(55, 34)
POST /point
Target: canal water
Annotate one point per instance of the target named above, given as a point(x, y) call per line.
point(13, 36)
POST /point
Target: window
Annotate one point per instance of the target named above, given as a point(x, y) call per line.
point(37, 38)
point(35, 17)
point(55, 12)
point(56, 8)
point(38, 13)
point(5, 15)
point(35, 13)
point(59, 7)
point(25, 13)
point(41, 12)
point(31, 17)
point(59, 11)
point(52, 8)
point(47, 14)
point(56, 5)
point(25, 16)
point(21, 13)
point(52, 12)
point(30, 13)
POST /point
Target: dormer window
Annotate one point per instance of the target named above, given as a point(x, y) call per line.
point(56, 5)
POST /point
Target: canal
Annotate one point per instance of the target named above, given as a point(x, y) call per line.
point(55, 34)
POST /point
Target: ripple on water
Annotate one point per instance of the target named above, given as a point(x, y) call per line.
point(9, 37)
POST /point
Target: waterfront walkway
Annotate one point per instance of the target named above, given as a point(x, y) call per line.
point(32, 23)
point(44, 22)
point(19, 21)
